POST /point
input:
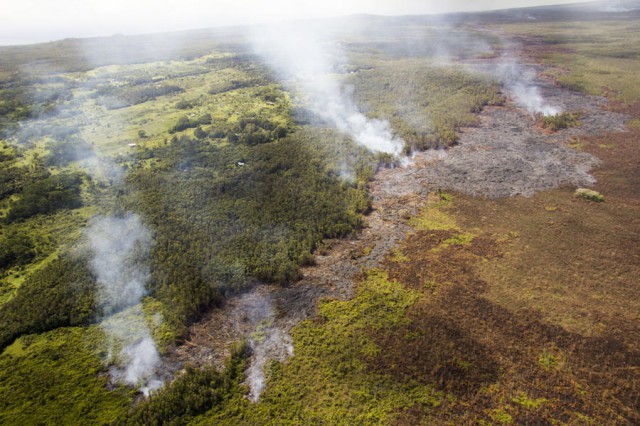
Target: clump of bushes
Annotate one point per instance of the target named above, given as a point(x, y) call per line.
point(184, 104)
point(589, 195)
point(16, 249)
point(185, 123)
point(48, 195)
point(560, 121)
point(113, 97)
point(255, 130)
point(248, 130)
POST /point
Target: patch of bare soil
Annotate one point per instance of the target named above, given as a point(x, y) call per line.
point(507, 154)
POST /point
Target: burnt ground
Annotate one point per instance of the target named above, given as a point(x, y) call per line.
point(547, 278)
point(561, 285)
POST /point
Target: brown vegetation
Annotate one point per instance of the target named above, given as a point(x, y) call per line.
point(535, 320)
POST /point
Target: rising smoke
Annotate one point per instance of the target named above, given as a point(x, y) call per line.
point(270, 343)
point(520, 83)
point(306, 60)
point(518, 79)
point(616, 6)
point(268, 339)
point(120, 247)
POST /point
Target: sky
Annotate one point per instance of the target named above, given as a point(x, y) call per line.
point(32, 21)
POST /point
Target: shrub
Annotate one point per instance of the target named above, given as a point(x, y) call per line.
point(16, 249)
point(559, 121)
point(184, 104)
point(589, 195)
point(47, 196)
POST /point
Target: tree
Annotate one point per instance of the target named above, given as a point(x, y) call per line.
point(199, 133)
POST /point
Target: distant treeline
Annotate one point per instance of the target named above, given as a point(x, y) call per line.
point(75, 55)
point(115, 97)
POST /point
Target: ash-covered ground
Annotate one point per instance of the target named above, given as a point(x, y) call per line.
point(507, 154)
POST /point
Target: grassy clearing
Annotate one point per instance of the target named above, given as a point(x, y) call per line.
point(434, 217)
point(560, 249)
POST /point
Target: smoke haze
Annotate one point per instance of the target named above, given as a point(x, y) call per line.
point(267, 338)
point(306, 60)
point(520, 83)
point(517, 79)
point(120, 247)
point(31, 21)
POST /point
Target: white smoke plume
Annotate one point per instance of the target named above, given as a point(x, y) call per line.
point(143, 357)
point(120, 246)
point(301, 57)
point(518, 79)
point(275, 344)
point(520, 82)
point(268, 339)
